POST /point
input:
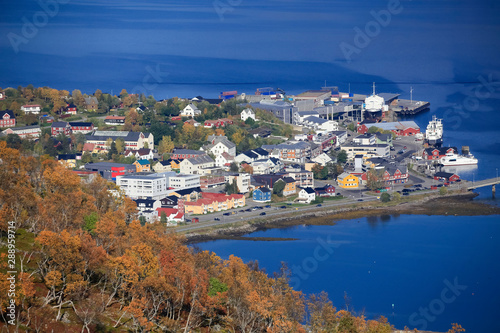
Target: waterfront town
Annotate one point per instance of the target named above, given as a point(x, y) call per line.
point(186, 160)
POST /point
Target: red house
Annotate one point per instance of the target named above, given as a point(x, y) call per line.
point(7, 119)
point(392, 175)
point(437, 153)
point(71, 108)
point(325, 191)
point(400, 128)
point(218, 123)
point(81, 127)
point(60, 127)
point(446, 176)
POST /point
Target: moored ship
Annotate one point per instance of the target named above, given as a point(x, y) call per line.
point(455, 159)
point(434, 132)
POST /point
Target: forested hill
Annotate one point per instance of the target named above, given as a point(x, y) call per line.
point(85, 264)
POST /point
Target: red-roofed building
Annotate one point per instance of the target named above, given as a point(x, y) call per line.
point(218, 123)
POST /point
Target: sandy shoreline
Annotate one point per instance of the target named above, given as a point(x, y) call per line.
point(457, 204)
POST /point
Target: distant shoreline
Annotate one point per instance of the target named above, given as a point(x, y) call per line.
point(460, 204)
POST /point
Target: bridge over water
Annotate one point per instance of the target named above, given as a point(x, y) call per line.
point(482, 183)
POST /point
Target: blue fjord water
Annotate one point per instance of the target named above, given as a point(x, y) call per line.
point(419, 271)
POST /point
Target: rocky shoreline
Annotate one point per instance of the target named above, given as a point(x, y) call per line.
point(456, 204)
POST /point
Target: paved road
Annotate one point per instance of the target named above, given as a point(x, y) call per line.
point(208, 220)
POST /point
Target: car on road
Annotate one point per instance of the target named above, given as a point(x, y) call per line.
point(226, 214)
point(263, 213)
point(406, 193)
point(268, 206)
point(216, 219)
point(283, 207)
point(319, 205)
point(360, 199)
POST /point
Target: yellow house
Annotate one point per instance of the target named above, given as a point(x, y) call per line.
point(347, 180)
point(175, 164)
point(290, 186)
point(142, 166)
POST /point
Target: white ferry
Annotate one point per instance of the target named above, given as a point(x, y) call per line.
point(434, 131)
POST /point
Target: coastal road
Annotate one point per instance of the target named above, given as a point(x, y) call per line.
point(274, 211)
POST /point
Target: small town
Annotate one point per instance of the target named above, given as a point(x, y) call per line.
point(239, 156)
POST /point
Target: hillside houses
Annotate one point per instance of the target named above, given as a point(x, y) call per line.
point(219, 145)
point(190, 110)
point(247, 113)
point(196, 165)
point(133, 140)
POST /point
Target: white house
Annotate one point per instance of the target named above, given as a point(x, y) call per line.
point(307, 195)
point(190, 111)
point(247, 113)
point(322, 159)
point(162, 166)
point(195, 165)
point(365, 139)
point(35, 109)
point(300, 116)
point(321, 124)
point(220, 145)
point(140, 154)
point(223, 159)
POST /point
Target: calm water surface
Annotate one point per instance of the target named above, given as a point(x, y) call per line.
point(400, 267)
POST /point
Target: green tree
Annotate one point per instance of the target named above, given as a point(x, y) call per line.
point(342, 157)
point(250, 121)
point(163, 218)
point(396, 197)
point(231, 188)
point(351, 127)
point(319, 172)
point(112, 150)
point(216, 287)
point(90, 222)
point(374, 129)
point(385, 197)
point(278, 188)
point(233, 167)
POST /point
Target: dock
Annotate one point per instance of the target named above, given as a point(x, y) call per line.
point(409, 107)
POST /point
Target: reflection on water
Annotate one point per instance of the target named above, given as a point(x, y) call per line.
point(461, 170)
